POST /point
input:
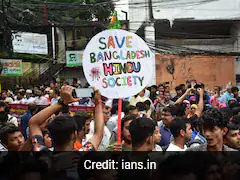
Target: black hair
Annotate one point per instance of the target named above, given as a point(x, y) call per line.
point(154, 86)
point(160, 85)
point(235, 89)
point(213, 117)
point(177, 125)
point(61, 129)
point(147, 105)
point(33, 108)
point(80, 120)
point(219, 88)
point(40, 108)
point(114, 109)
point(226, 112)
point(236, 120)
point(234, 105)
point(178, 88)
point(232, 126)
point(2, 104)
point(125, 105)
point(140, 106)
point(65, 110)
point(75, 80)
point(9, 128)
point(129, 108)
point(126, 119)
point(45, 132)
point(182, 86)
point(3, 117)
point(140, 130)
point(176, 110)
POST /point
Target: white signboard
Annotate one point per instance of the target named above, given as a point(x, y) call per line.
point(30, 43)
point(118, 62)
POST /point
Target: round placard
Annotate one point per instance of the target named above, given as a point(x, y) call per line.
point(118, 62)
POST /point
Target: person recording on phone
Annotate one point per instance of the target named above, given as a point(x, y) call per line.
point(216, 99)
point(63, 129)
point(206, 97)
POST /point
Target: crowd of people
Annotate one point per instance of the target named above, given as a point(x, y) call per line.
point(153, 120)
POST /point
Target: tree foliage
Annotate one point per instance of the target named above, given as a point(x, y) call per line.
point(59, 11)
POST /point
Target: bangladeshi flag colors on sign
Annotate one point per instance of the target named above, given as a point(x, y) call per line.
point(114, 23)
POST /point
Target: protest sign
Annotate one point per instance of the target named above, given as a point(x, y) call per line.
point(118, 62)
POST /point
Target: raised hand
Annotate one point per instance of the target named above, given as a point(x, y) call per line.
point(66, 94)
point(200, 91)
point(97, 94)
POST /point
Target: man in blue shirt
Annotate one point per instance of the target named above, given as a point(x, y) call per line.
point(169, 113)
point(227, 95)
point(32, 109)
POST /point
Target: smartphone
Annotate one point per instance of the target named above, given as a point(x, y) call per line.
point(84, 92)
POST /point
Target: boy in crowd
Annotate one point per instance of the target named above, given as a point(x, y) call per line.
point(126, 144)
point(142, 130)
point(11, 137)
point(169, 113)
point(232, 137)
point(214, 129)
point(83, 125)
point(182, 133)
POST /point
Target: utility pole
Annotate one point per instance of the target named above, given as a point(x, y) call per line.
point(150, 37)
point(45, 14)
point(151, 18)
point(6, 31)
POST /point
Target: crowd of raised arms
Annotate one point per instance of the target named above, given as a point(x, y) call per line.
point(190, 119)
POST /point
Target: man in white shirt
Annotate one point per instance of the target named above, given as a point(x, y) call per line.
point(41, 100)
point(113, 120)
point(182, 133)
point(28, 98)
point(19, 98)
point(107, 134)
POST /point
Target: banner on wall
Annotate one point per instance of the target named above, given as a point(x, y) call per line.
point(74, 58)
point(118, 62)
point(11, 67)
point(18, 110)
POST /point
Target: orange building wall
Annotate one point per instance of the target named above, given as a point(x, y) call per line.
point(211, 70)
